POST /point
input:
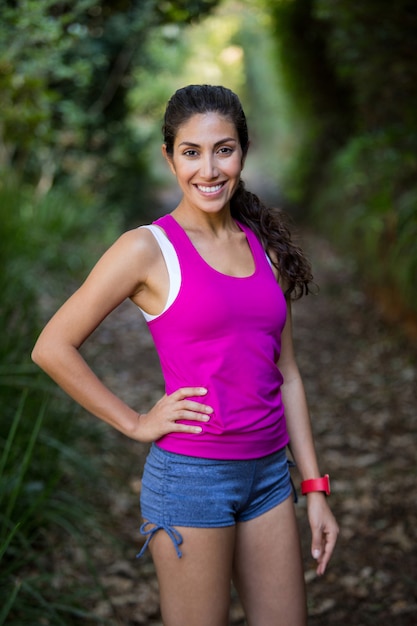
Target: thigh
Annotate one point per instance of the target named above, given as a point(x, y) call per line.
point(195, 589)
point(268, 571)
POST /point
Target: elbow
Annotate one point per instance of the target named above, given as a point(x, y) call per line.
point(51, 354)
point(36, 354)
point(40, 354)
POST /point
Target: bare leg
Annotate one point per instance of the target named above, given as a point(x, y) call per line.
point(268, 569)
point(195, 590)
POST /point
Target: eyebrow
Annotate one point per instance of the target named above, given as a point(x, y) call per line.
point(218, 143)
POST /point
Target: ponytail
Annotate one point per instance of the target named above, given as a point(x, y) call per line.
point(270, 226)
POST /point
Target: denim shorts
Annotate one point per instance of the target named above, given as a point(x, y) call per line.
point(179, 490)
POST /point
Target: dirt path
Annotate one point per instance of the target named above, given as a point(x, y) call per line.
point(360, 377)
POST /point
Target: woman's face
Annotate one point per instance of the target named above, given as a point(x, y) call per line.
point(207, 161)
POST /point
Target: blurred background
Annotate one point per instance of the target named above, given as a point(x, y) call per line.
point(330, 92)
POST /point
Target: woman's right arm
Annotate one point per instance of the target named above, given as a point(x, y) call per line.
point(122, 272)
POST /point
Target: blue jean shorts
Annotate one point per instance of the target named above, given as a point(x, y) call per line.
point(179, 490)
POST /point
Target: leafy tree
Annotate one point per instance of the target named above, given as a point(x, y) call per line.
point(65, 72)
point(320, 102)
point(350, 69)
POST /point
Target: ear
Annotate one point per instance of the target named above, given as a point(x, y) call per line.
point(168, 158)
point(245, 155)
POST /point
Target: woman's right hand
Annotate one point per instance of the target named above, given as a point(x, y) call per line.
point(163, 417)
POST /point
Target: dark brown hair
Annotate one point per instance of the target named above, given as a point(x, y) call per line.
point(269, 225)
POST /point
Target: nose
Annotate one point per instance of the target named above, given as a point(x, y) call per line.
point(208, 168)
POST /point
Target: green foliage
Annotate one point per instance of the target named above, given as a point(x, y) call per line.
point(34, 42)
point(65, 75)
point(185, 10)
point(48, 244)
point(41, 240)
point(372, 48)
point(272, 137)
point(319, 107)
point(351, 74)
point(36, 513)
point(369, 207)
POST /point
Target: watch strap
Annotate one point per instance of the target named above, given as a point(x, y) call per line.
point(316, 484)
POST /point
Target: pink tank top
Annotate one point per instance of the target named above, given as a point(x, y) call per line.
point(224, 333)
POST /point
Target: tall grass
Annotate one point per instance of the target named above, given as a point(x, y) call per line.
point(36, 514)
point(47, 246)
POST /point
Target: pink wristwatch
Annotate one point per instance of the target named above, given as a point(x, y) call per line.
point(316, 484)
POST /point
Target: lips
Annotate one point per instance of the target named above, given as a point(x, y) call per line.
point(208, 189)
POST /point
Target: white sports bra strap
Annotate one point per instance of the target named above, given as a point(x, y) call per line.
point(173, 267)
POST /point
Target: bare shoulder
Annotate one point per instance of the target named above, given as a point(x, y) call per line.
point(135, 248)
point(139, 241)
point(126, 265)
point(121, 272)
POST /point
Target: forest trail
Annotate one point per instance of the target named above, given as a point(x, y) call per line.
point(360, 376)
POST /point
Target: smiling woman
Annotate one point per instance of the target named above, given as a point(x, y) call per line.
point(207, 160)
point(215, 279)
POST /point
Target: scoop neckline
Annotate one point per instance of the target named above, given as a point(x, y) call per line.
point(244, 229)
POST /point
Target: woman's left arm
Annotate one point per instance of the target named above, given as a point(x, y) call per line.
point(322, 522)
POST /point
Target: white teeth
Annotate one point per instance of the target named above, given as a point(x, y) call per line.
point(209, 189)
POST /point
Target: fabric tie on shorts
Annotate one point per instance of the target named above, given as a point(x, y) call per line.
point(175, 536)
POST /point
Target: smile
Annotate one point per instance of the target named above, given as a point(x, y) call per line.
point(212, 189)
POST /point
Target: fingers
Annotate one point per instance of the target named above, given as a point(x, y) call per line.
point(181, 398)
point(170, 412)
point(324, 535)
point(185, 409)
point(186, 392)
point(189, 416)
point(322, 548)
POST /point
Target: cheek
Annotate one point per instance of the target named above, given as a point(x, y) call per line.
point(236, 167)
point(184, 171)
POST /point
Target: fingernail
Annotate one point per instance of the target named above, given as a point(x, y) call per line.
point(316, 554)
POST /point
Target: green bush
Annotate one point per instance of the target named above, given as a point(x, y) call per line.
point(350, 75)
point(368, 206)
point(48, 244)
point(40, 481)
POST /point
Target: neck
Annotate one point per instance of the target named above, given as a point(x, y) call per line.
point(194, 220)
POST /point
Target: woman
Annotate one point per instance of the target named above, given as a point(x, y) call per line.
point(214, 279)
